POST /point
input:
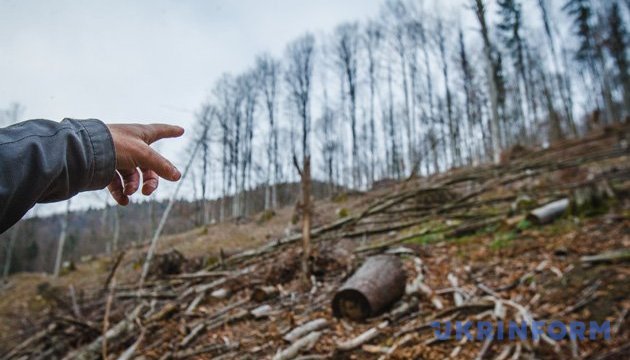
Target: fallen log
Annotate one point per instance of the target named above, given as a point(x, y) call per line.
point(378, 283)
point(548, 213)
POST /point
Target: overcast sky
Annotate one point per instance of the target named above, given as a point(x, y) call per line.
point(144, 61)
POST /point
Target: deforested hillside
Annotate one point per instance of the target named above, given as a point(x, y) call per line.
point(541, 237)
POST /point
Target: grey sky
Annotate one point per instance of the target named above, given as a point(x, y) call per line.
point(144, 61)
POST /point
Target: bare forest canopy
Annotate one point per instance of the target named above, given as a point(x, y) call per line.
point(411, 92)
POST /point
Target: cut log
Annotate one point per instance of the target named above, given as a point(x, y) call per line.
point(549, 212)
point(378, 283)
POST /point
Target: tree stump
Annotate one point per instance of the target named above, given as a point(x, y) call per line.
point(377, 284)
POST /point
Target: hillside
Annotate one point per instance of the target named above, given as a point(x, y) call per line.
point(91, 232)
point(468, 248)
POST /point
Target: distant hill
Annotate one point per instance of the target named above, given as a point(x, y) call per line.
point(90, 231)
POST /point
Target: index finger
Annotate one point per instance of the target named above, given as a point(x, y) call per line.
point(149, 159)
point(155, 132)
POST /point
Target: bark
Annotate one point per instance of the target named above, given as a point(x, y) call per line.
point(378, 283)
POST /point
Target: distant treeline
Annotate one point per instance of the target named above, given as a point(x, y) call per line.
point(90, 232)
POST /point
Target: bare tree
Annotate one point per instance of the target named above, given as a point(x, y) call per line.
point(10, 116)
point(472, 103)
point(247, 90)
point(397, 14)
point(298, 76)
point(268, 70)
point(62, 239)
point(373, 38)
point(346, 51)
point(204, 122)
point(492, 69)
point(452, 127)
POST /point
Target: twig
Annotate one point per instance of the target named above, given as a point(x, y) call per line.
point(304, 343)
point(110, 276)
point(132, 349)
point(108, 306)
point(193, 333)
point(363, 338)
point(305, 328)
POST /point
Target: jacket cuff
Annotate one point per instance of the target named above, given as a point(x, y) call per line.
point(104, 153)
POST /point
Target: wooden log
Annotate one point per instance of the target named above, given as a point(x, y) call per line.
point(548, 213)
point(378, 283)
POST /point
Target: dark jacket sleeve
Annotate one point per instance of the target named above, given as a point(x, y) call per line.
point(44, 161)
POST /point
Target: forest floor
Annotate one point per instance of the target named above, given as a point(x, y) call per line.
point(464, 238)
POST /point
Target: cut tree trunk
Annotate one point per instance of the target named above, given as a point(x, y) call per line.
point(550, 212)
point(378, 283)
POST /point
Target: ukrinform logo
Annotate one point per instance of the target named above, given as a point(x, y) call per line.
point(556, 330)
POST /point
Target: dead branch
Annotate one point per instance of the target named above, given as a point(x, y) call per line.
point(306, 328)
point(608, 256)
point(363, 338)
point(304, 343)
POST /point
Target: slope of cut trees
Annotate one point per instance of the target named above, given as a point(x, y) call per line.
point(463, 241)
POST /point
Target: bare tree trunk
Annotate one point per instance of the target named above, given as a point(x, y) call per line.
point(452, 128)
point(9, 253)
point(62, 239)
point(306, 219)
point(116, 235)
point(564, 94)
point(492, 84)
